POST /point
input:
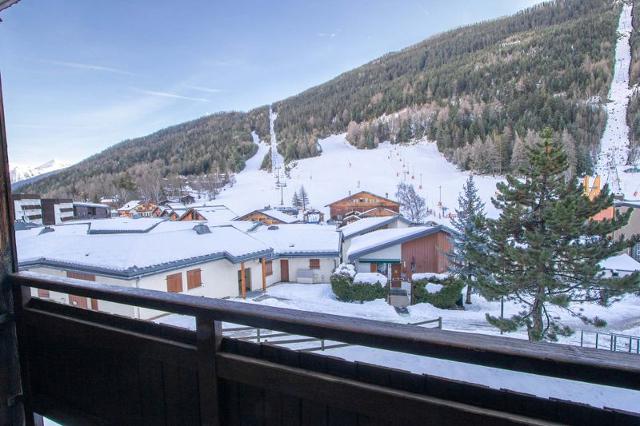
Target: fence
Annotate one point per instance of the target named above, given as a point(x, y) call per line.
point(610, 341)
point(259, 335)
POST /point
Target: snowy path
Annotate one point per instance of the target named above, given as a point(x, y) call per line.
point(614, 146)
point(276, 159)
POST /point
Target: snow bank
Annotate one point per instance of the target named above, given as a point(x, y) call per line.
point(370, 278)
point(428, 276)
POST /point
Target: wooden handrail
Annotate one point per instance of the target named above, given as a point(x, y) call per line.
point(556, 360)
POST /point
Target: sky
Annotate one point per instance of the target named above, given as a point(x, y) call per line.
point(81, 75)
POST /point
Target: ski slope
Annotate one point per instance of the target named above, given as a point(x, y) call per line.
point(614, 145)
point(342, 168)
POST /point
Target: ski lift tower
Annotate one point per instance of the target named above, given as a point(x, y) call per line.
point(281, 185)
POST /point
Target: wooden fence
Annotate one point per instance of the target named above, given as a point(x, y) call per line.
point(86, 367)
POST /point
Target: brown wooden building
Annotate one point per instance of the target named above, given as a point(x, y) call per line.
point(401, 252)
point(269, 216)
point(363, 202)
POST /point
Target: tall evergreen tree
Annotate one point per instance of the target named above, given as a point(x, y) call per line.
point(469, 241)
point(545, 249)
point(304, 198)
point(295, 201)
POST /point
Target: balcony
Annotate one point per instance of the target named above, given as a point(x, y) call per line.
point(86, 367)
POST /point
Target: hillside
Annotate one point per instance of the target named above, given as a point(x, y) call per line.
point(481, 91)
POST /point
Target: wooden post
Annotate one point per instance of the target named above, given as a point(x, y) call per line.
point(12, 410)
point(243, 281)
point(264, 274)
point(209, 338)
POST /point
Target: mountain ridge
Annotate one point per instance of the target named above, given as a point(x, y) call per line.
point(492, 85)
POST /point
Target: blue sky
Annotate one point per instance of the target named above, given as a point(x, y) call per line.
point(81, 75)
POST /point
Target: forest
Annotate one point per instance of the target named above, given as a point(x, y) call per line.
point(482, 92)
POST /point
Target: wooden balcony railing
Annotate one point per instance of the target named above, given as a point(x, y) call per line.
point(81, 366)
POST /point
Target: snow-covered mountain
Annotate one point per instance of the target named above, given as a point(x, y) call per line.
point(22, 172)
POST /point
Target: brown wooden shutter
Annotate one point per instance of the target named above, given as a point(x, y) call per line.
point(81, 276)
point(194, 278)
point(314, 263)
point(373, 267)
point(174, 283)
point(94, 304)
point(42, 293)
point(269, 267)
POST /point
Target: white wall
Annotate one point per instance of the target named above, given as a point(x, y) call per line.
point(104, 306)
point(327, 265)
point(59, 215)
point(21, 214)
point(389, 253)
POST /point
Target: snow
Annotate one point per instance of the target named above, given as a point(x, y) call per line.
point(370, 278)
point(83, 204)
point(614, 145)
point(428, 275)
point(169, 242)
point(364, 225)
point(346, 269)
point(342, 168)
point(276, 159)
point(130, 205)
point(21, 172)
point(277, 214)
point(621, 263)
point(124, 224)
point(433, 288)
point(300, 238)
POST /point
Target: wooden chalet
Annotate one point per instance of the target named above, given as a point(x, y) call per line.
point(190, 215)
point(137, 208)
point(269, 216)
point(362, 204)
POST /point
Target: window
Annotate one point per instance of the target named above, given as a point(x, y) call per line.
point(268, 267)
point(174, 283)
point(635, 252)
point(42, 293)
point(314, 263)
point(194, 279)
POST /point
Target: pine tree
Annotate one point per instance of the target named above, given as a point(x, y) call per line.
point(468, 242)
point(304, 198)
point(295, 201)
point(544, 250)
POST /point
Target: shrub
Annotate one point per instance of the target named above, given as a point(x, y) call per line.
point(346, 290)
point(445, 298)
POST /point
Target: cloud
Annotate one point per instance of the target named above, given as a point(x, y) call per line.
point(90, 67)
point(204, 89)
point(329, 35)
point(170, 95)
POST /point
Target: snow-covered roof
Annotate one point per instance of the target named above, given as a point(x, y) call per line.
point(171, 245)
point(622, 263)
point(123, 225)
point(383, 238)
point(83, 204)
point(368, 224)
point(300, 239)
point(216, 214)
point(275, 214)
point(130, 205)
